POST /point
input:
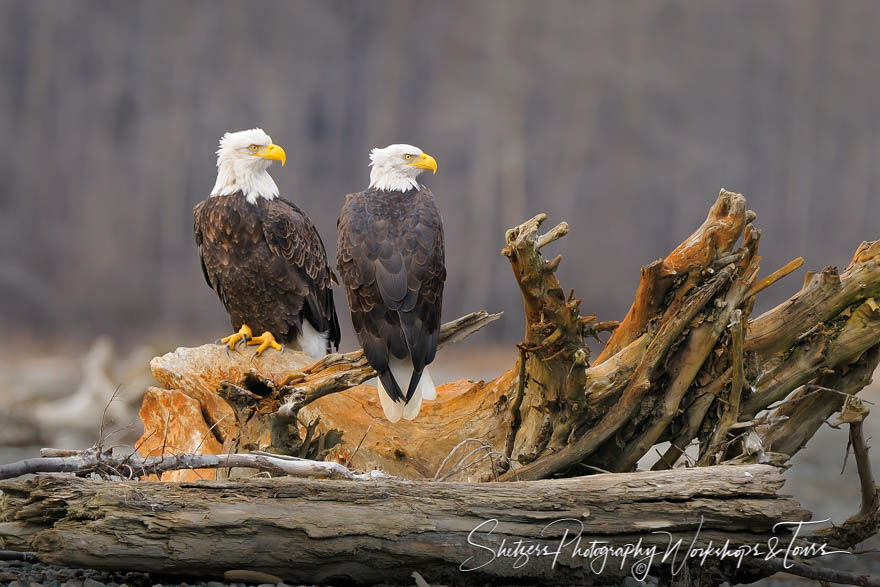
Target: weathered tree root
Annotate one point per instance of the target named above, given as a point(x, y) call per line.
point(687, 364)
point(668, 367)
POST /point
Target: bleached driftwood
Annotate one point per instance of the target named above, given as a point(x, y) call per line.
point(133, 466)
point(383, 530)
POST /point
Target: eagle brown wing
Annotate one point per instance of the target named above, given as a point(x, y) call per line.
point(391, 259)
point(200, 239)
point(268, 265)
point(292, 236)
point(202, 223)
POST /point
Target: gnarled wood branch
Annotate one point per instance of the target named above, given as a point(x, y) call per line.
point(714, 239)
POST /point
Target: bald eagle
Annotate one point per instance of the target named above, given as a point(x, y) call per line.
point(262, 254)
point(391, 260)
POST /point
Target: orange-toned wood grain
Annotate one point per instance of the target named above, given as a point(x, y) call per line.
point(463, 409)
point(186, 431)
point(715, 238)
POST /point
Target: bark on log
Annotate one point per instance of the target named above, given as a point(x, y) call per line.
point(382, 530)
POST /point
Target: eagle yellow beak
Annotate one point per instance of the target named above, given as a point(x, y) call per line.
point(425, 162)
point(273, 152)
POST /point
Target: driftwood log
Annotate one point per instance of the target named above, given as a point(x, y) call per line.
point(325, 531)
point(688, 375)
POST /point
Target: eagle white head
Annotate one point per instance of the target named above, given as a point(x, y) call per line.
point(243, 160)
point(396, 167)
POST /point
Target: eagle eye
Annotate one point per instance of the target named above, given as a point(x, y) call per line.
point(407, 156)
point(253, 148)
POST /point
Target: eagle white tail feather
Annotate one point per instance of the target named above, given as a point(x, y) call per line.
point(402, 370)
point(426, 386)
point(424, 391)
point(312, 342)
point(393, 410)
point(411, 410)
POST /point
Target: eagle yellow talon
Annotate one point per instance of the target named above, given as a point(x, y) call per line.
point(244, 333)
point(265, 341)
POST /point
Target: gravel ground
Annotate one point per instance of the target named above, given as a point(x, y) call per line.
point(24, 574)
point(21, 574)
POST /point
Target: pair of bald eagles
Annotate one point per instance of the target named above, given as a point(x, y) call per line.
point(265, 260)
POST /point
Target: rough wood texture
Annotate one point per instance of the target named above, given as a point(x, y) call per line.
point(675, 369)
point(787, 429)
point(638, 386)
point(714, 239)
point(415, 450)
point(198, 373)
point(381, 531)
point(552, 364)
point(274, 402)
point(177, 425)
point(824, 295)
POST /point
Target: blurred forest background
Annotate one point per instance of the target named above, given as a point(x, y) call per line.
point(622, 118)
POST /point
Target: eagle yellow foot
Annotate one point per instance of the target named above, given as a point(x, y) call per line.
point(265, 341)
point(244, 334)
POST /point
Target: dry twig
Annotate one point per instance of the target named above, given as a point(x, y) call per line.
point(93, 460)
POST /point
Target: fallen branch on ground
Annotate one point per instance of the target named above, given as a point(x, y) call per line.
point(134, 466)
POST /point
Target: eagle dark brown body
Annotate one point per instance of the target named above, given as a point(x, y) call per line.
point(391, 260)
point(267, 263)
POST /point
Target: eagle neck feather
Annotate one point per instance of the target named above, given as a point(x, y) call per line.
point(252, 181)
point(389, 182)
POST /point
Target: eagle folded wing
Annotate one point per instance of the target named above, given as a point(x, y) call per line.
point(200, 239)
point(292, 237)
point(394, 285)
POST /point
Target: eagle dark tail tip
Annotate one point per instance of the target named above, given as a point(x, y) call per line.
point(413, 384)
point(391, 386)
